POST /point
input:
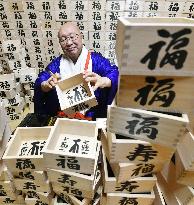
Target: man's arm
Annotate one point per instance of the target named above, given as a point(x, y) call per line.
point(104, 75)
point(96, 80)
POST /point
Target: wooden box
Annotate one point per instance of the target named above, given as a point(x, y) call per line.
point(11, 46)
point(24, 152)
point(73, 179)
point(44, 197)
point(71, 190)
point(123, 198)
point(7, 82)
point(12, 92)
point(37, 176)
point(171, 94)
point(28, 75)
point(149, 45)
point(28, 185)
point(72, 146)
point(154, 127)
point(136, 185)
point(183, 176)
point(12, 200)
point(127, 171)
point(18, 108)
point(75, 94)
point(186, 152)
point(124, 149)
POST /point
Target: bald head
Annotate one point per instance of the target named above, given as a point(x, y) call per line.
point(70, 39)
point(69, 27)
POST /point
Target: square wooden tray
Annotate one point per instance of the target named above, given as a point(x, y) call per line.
point(72, 146)
point(75, 94)
point(24, 151)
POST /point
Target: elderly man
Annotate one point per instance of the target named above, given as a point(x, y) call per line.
point(76, 58)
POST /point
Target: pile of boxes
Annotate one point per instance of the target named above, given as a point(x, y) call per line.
point(154, 99)
point(72, 157)
point(24, 159)
point(64, 159)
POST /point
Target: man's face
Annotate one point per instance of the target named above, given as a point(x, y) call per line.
point(70, 40)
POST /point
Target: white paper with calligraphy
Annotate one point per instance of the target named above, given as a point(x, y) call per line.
point(31, 147)
point(76, 145)
point(71, 161)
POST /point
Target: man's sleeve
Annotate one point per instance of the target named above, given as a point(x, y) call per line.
point(103, 67)
point(39, 96)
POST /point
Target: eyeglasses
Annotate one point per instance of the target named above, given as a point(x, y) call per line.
point(73, 37)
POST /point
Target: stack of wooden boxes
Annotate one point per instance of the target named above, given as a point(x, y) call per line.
point(150, 118)
point(15, 79)
point(11, 98)
point(72, 155)
point(8, 192)
point(24, 159)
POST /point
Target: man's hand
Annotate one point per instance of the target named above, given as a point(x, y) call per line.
point(96, 80)
point(49, 84)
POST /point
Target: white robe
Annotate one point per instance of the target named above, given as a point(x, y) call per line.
point(68, 68)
